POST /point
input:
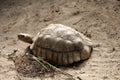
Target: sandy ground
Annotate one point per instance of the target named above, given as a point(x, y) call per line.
point(98, 19)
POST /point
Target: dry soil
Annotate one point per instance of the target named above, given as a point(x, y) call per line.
point(97, 19)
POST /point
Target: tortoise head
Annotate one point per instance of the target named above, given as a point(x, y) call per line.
point(25, 37)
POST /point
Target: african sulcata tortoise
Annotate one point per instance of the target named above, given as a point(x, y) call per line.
point(60, 44)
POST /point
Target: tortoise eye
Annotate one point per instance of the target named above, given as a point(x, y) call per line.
point(22, 36)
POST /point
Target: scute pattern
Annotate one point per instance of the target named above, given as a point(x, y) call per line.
point(61, 44)
point(59, 38)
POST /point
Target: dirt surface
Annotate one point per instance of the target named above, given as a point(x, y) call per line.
point(98, 19)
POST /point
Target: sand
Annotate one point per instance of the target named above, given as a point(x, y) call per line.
point(97, 19)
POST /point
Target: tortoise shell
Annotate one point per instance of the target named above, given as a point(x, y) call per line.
point(61, 44)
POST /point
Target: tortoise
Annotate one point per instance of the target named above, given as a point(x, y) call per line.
point(60, 44)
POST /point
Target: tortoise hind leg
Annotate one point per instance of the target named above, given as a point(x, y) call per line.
point(86, 52)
